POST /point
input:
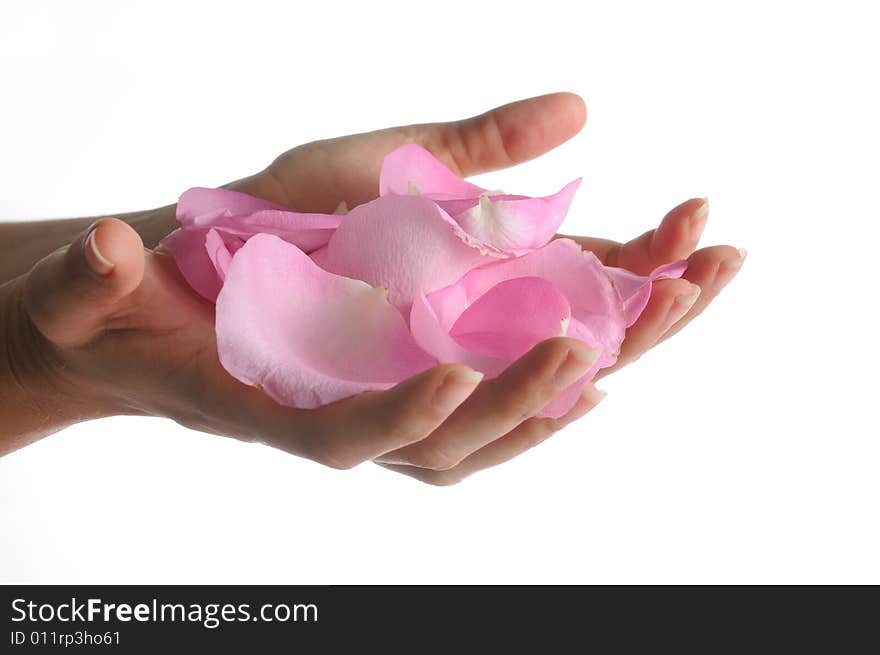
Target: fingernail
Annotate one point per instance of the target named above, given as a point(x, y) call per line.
point(593, 395)
point(576, 363)
point(96, 261)
point(698, 219)
point(736, 262)
point(455, 388)
point(681, 305)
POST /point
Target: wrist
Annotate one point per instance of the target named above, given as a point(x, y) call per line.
point(40, 392)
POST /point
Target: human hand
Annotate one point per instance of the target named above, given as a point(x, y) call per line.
point(134, 339)
point(316, 177)
point(111, 328)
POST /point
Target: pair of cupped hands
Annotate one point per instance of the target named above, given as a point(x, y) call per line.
point(114, 328)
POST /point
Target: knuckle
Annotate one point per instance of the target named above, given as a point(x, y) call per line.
point(404, 423)
point(335, 459)
point(523, 401)
point(434, 459)
point(533, 433)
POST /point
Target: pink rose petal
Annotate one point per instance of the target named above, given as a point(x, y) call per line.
point(512, 317)
point(308, 337)
point(243, 215)
point(635, 290)
point(199, 202)
point(234, 217)
point(188, 249)
point(220, 252)
point(513, 223)
point(581, 278)
point(495, 313)
point(433, 338)
point(406, 244)
point(412, 169)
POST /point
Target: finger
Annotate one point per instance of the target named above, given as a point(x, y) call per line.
point(501, 404)
point(504, 136)
point(522, 438)
point(670, 301)
point(71, 292)
point(350, 431)
point(675, 238)
point(712, 269)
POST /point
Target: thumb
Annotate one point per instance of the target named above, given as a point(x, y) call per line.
point(71, 293)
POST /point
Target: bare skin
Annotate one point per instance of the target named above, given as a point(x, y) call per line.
point(95, 322)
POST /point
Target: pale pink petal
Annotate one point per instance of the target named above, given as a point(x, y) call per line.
point(435, 339)
point(412, 169)
point(242, 215)
point(220, 252)
point(512, 223)
point(189, 252)
point(635, 290)
point(319, 256)
point(406, 244)
point(306, 336)
point(578, 274)
point(512, 317)
point(201, 202)
point(308, 232)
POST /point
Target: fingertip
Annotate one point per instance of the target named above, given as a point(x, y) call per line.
point(680, 230)
point(456, 385)
point(576, 108)
point(589, 398)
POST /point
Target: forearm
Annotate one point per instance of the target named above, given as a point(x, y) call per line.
point(23, 244)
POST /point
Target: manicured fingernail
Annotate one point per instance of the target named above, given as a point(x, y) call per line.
point(456, 386)
point(681, 305)
point(736, 262)
point(96, 261)
point(576, 363)
point(593, 395)
point(698, 219)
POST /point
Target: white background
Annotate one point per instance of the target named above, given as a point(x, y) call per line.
point(743, 451)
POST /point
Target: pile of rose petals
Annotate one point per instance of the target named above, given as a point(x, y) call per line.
point(318, 307)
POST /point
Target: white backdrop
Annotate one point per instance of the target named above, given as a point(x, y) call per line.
point(745, 450)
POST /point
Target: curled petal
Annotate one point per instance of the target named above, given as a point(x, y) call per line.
point(200, 204)
point(220, 251)
point(635, 290)
point(202, 256)
point(482, 335)
point(189, 252)
point(495, 313)
point(406, 244)
point(513, 223)
point(538, 309)
point(319, 256)
point(308, 337)
point(434, 338)
point(242, 215)
point(581, 278)
point(412, 169)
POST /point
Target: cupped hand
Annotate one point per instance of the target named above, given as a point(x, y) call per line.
point(116, 329)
